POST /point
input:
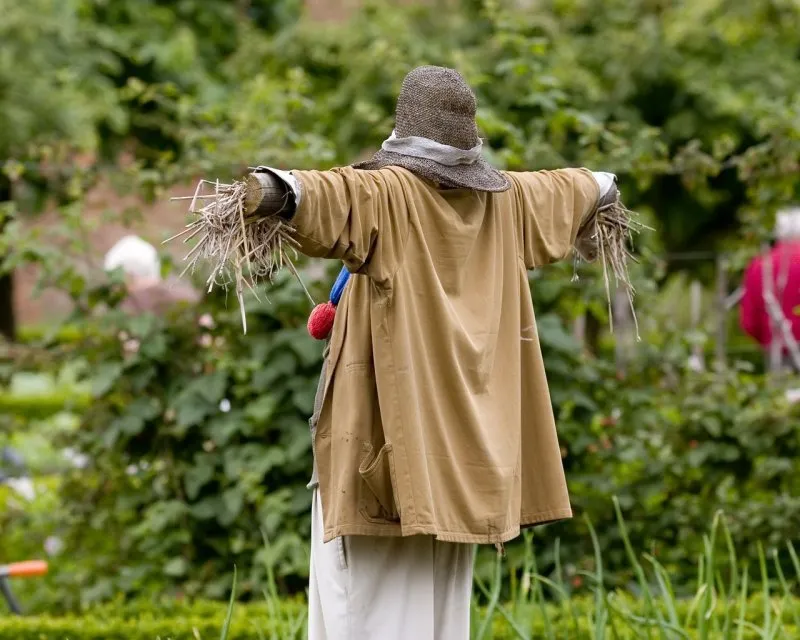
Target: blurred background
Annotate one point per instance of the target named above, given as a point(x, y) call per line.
point(162, 446)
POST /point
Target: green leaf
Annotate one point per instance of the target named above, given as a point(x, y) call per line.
point(232, 502)
point(105, 378)
point(155, 347)
point(224, 428)
point(144, 408)
point(198, 476)
point(199, 399)
point(207, 508)
point(262, 409)
point(176, 567)
point(128, 424)
point(281, 365)
point(552, 335)
point(142, 325)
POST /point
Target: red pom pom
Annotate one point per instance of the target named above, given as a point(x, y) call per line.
point(320, 322)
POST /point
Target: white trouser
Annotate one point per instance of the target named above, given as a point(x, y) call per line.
point(373, 588)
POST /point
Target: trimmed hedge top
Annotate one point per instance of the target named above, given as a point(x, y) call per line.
point(286, 619)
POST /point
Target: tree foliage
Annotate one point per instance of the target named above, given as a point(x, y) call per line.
point(197, 434)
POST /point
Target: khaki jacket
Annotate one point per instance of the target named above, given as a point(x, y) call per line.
point(436, 417)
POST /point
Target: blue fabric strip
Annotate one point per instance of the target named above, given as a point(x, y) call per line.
point(338, 286)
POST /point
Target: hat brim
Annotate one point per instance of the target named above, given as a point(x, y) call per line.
point(478, 176)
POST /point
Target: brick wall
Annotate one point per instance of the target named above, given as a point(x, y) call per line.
point(330, 9)
point(159, 221)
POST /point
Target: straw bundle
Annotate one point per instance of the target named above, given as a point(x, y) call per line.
point(609, 235)
point(243, 246)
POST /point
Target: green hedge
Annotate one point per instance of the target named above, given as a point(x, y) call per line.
point(43, 405)
point(180, 489)
point(286, 619)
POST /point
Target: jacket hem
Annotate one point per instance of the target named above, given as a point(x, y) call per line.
point(398, 531)
point(545, 517)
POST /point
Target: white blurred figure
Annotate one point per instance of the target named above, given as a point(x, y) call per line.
point(137, 258)
point(147, 291)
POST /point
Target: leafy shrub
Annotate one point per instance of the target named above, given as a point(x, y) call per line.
point(200, 448)
point(675, 447)
point(198, 436)
point(256, 623)
point(697, 118)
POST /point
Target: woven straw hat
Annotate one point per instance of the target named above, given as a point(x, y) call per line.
point(437, 104)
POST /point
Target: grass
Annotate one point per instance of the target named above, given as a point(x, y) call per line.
point(723, 606)
point(729, 600)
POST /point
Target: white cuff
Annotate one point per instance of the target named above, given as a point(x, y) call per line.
point(605, 181)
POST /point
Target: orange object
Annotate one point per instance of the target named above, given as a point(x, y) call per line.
point(27, 569)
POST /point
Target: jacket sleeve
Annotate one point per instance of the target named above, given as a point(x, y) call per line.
point(351, 215)
point(752, 314)
point(551, 207)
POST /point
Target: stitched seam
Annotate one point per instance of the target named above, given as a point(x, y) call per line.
point(519, 241)
point(393, 374)
point(404, 247)
point(393, 482)
point(399, 433)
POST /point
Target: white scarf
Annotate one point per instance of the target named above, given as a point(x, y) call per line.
point(419, 147)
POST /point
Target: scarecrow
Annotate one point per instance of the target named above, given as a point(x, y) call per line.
point(771, 295)
point(433, 429)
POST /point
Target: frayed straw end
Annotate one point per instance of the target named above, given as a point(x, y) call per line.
point(242, 248)
point(609, 237)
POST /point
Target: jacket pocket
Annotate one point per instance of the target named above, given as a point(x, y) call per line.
point(378, 502)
